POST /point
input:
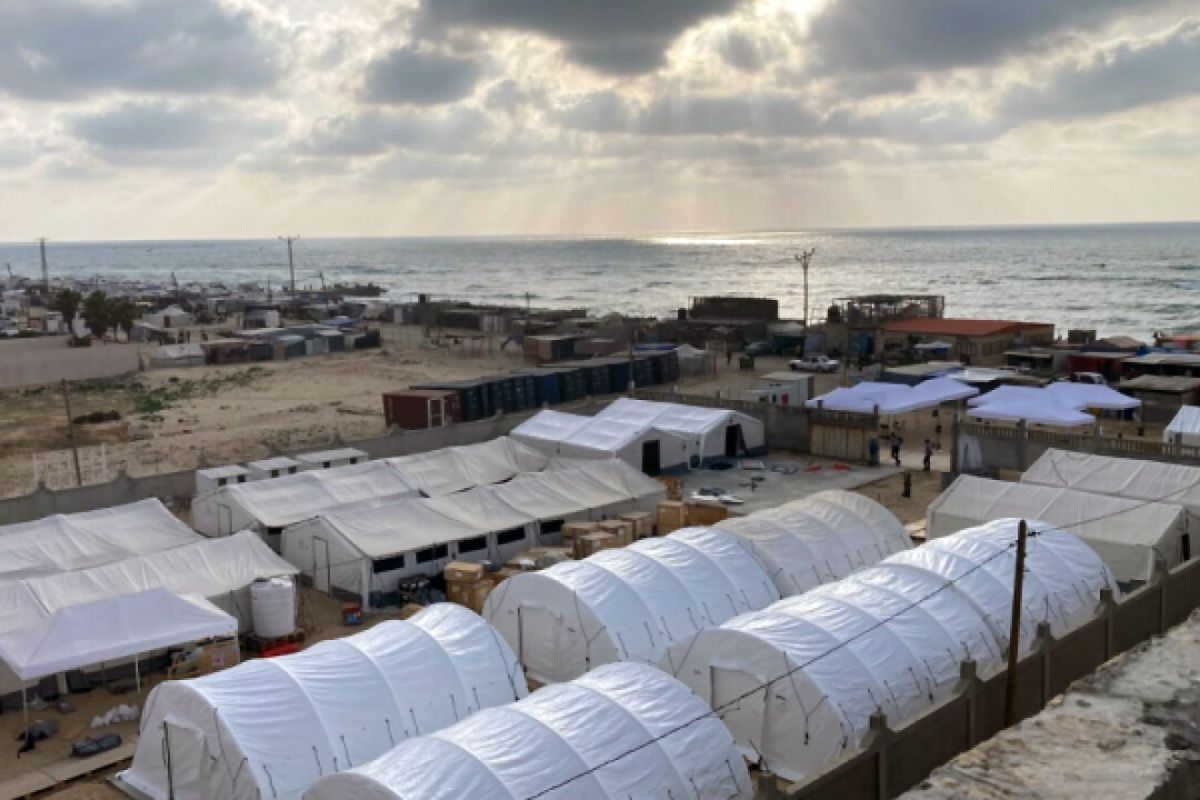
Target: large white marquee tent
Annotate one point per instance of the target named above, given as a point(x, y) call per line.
point(708, 434)
point(66, 542)
point(626, 604)
point(820, 538)
point(1125, 533)
point(1184, 428)
point(1145, 481)
point(271, 727)
point(871, 397)
point(371, 547)
point(797, 683)
point(623, 731)
point(561, 435)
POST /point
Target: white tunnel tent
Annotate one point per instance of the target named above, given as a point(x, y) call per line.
point(271, 505)
point(66, 542)
point(1145, 481)
point(368, 549)
point(626, 604)
point(271, 727)
point(1184, 428)
point(797, 683)
point(561, 435)
point(820, 538)
point(709, 434)
point(623, 731)
point(1128, 535)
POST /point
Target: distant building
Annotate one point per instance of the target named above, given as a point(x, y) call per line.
point(976, 342)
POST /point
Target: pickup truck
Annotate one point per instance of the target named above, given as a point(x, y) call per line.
point(814, 364)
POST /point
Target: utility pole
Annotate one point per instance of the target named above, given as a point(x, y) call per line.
point(45, 268)
point(1014, 631)
point(323, 292)
point(71, 433)
point(291, 267)
point(804, 257)
point(632, 371)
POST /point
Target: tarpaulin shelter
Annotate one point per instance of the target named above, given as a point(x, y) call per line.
point(626, 604)
point(820, 538)
point(269, 728)
point(1129, 535)
point(797, 683)
point(622, 731)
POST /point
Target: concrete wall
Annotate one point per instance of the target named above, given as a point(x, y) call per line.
point(36, 362)
point(895, 759)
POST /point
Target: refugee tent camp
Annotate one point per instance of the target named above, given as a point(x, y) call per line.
point(1184, 428)
point(820, 538)
point(797, 683)
point(368, 548)
point(622, 731)
point(709, 434)
point(1128, 535)
point(66, 542)
point(626, 604)
point(1146, 481)
point(271, 727)
point(178, 355)
point(646, 448)
point(455, 469)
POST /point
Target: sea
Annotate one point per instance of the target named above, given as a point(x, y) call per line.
point(1117, 279)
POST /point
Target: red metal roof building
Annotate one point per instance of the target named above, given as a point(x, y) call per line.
point(978, 342)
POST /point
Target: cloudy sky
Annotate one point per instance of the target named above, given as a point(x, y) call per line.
point(210, 118)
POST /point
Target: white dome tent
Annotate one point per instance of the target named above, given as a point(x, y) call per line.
point(270, 727)
point(626, 604)
point(798, 682)
point(819, 539)
point(623, 731)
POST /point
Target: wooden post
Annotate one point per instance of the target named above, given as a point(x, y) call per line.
point(1014, 630)
point(71, 434)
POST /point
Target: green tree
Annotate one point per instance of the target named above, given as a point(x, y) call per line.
point(122, 313)
point(67, 302)
point(96, 313)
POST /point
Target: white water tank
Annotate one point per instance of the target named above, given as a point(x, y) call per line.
point(273, 607)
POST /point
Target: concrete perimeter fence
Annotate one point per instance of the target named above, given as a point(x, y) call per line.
point(893, 760)
point(1016, 447)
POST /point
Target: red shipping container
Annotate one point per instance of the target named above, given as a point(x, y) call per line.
point(414, 409)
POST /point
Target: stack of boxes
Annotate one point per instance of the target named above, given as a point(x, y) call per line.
point(572, 532)
point(620, 530)
point(706, 513)
point(591, 543)
point(642, 522)
point(467, 585)
point(672, 515)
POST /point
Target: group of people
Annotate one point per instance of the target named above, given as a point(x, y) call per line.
point(896, 441)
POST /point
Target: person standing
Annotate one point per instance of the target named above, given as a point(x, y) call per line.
point(928, 453)
point(895, 442)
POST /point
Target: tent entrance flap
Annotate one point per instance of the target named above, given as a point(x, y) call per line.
point(741, 701)
point(651, 458)
point(734, 443)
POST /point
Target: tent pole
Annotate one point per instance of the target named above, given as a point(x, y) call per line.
point(1014, 633)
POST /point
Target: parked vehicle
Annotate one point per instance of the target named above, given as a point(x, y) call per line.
point(1093, 378)
point(815, 364)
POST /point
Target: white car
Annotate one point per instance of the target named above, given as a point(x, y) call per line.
point(814, 364)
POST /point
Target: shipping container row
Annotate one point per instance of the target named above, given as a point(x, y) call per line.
point(439, 403)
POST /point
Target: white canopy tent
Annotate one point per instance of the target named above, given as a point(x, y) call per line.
point(109, 629)
point(819, 539)
point(66, 542)
point(1087, 395)
point(797, 683)
point(557, 434)
point(1042, 410)
point(707, 433)
point(623, 731)
point(271, 727)
point(455, 469)
point(626, 604)
point(595, 491)
point(1007, 394)
point(1184, 428)
point(1145, 481)
point(871, 397)
point(1125, 533)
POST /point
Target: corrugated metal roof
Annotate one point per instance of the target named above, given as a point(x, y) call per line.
point(940, 326)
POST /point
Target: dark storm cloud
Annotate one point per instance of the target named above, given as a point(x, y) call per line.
point(70, 48)
point(410, 76)
point(624, 37)
point(1128, 76)
point(876, 35)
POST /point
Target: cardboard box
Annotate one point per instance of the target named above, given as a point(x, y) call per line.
point(501, 575)
point(642, 522)
point(479, 595)
point(622, 531)
point(571, 531)
point(672, 515)
point(463, 572)
point(458, 592)
point(674, 486)
point(593, 543)
point(706, 513)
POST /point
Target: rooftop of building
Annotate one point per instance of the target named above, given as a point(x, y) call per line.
point(941, 326)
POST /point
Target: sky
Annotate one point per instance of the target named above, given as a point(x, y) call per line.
point(155, 119)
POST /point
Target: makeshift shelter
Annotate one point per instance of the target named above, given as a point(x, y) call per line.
point(109, 629)
point(178, 355)
point(626, 604)
point(819, 539)
point(797, 683)
point(1126, 534)
point(557, 434)
point(1145, 481)
point(710, 434)
point(1184, 428)
point(623, 731)
point(66, 542)
point(271, 727)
